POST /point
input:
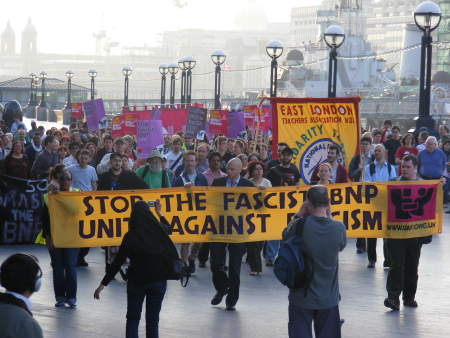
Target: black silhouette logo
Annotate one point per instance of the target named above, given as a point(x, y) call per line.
point(411, 203)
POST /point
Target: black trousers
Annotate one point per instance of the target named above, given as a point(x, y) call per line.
point(372, 251)
point(361, 243)
point(254, 255)
point(203, 253)
point(83, 253)
point(221, 279)
point(403, 276)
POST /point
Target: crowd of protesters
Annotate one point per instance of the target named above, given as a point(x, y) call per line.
point(74, 158)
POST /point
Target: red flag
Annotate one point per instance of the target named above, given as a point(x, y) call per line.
point(77, 110)
point(117, 126)
point(130, 123)
point(218, 122)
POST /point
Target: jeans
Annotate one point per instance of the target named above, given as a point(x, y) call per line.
point(154, 295)
point(326, 322)
point(64, 263)
point(446, 188)
point(271, 250)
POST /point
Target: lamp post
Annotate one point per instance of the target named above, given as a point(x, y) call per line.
point(30, 110)
point(43, 76)
point(42, 110)
point(33, 99)
point(427, 17)
point(173, 69)
point(218, 57)
point(334, 38)
point(67, 113)
point(274, 49)
point(92, 74)
point(126, 71)
point(183, 81)
point(189, 63)
point(163, 69)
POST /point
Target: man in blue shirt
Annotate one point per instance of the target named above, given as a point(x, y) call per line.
point(188, 178)
point(378, 171)
point(432, 160)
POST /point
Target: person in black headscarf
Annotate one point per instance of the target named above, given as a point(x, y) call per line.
point(149, 249)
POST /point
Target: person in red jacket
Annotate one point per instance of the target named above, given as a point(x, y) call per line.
point(338, 173)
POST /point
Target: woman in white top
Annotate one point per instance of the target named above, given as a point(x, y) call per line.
point(255, 174)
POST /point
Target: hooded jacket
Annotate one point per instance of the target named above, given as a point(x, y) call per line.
point(148, 247)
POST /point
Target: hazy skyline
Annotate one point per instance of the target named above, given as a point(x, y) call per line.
point(69, 29)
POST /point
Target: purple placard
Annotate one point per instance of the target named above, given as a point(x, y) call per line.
point(95, 113)
point(149, 136)
point(236, 123)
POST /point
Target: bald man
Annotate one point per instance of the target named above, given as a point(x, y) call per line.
point(228, 284)
point(378, 171)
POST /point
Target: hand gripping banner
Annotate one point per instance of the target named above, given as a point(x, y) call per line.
point(233, 215)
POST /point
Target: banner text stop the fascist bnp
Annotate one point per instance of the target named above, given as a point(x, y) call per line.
point(219, 214)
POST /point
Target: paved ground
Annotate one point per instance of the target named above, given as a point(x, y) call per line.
point(262, 309)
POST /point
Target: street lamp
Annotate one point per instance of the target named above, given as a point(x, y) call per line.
point(33, 99)
point(92, 74)
point(43, 76)
point(67, 113)
point(427, 17)
point(334, 38)
point(30, 110)
point(42, 111)
point(163, 69)
point(126, 71)
point(274, 49)
point(218, 57)
point(173, 69)
point(183, 81)
point(189, 63)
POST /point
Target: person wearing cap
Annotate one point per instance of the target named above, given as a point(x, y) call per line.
point(283, 174)
point(119, 147)
point(153, 173)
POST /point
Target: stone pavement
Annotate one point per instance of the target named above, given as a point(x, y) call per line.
point(262, 308)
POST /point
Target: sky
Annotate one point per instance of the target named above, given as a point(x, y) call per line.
point(67, 27)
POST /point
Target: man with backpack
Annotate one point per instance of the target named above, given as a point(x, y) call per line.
point(321, 240)
point(378, 171)
point(188, 178)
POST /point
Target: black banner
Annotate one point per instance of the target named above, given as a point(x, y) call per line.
point(21, 203)
point(195, 121)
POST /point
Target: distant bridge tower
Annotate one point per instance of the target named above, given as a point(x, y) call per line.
point(29, 40)
point(8, 41)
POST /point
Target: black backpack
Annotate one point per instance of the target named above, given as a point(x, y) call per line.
point(293, 268)
point(372, 168)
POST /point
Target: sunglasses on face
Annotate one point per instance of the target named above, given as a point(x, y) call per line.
point(65, 178)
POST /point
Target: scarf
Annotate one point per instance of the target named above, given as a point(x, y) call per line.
point(36, 149)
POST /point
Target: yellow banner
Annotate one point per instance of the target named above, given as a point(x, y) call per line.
point(309, 126)
point(219, 214)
